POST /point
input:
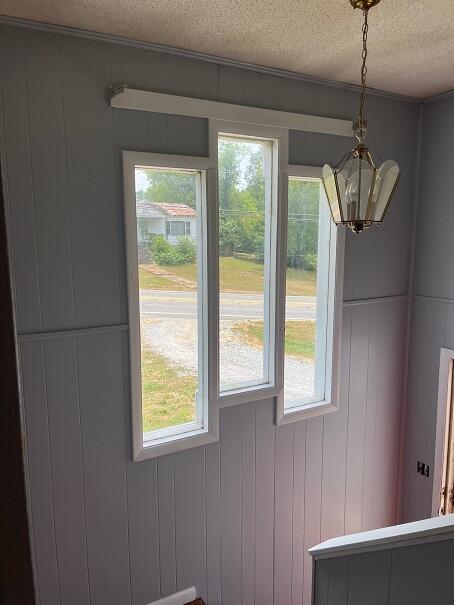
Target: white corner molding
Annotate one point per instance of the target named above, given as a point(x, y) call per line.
point(123, 97)
point(179, 598)
point(396, 536)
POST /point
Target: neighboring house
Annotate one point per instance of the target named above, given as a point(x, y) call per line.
point(171, 220)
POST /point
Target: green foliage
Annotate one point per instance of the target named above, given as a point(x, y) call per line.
point(242, 207)
point(302, 230)
point(186, 250)
point(164, 253)
point(171, 187)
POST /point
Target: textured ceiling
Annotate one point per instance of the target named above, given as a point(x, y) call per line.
point(411, 48)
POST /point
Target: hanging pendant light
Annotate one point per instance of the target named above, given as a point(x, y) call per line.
point(358, 192)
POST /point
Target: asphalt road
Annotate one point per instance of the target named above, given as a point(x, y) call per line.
point(232, 305)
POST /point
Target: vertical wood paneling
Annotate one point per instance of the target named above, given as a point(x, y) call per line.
point(231, 501)
point(283, 508)
point(248, 504)
point(321, 587)
point(357, 418)
point(373, 459)
point(213, 523)
point(299, 470)
point(428, 335)
point(67, 472)
point(383, 423)
point(40, 472)
point(338, 581)
point(335, 446)
point(422, 574)
point(166, 516)
point(18, 168)
point(312, 498)
point(103, 447)
point(143, 531)
point(91, 182)
point(264, 502)
point(190, 519)
point(369, 576)
point(48, 165)
point(235, 518)
point(143, 519)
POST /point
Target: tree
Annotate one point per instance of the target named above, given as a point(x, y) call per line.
point(302, 231)
point(230, 157)
point(171, 187)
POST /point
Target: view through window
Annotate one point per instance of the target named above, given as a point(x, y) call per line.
point(306, 296)
point(245, 197)
point(170, 224)
point(168, 210)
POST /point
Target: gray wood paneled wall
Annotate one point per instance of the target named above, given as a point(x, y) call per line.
point(433, 301)
point(233, 518)
point(411, 575)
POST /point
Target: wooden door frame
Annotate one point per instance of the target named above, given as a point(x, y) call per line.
point(16, 571)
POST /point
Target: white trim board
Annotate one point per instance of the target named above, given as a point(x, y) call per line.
point(441, 436)
point(156, 102)
point(396, 536)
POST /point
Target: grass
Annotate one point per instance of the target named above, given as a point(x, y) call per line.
point(299, 336)
point(149, 281)
point(235, 275)
point(167, 395)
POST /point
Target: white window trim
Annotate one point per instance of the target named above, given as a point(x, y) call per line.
point(255, 392)
point(444, 390)
point(190, 435)
point(330, 402)
point(179, 438)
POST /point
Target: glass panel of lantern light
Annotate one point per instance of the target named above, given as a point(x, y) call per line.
point(331, 192)
point(387, 176)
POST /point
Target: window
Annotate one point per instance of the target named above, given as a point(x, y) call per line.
point(306, 292)
point(311, 326)
point(247, 201)
point(167, 301)
point(232, 269)
point(176, 228)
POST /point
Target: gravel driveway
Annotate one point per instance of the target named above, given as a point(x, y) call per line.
point(176, 340)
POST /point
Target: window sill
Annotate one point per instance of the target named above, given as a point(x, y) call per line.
point(175, 443)
point(303, 412)
point(253, 393)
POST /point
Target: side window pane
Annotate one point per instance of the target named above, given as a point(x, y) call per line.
point(245, 210)
point(170, 277)
point(306, 294)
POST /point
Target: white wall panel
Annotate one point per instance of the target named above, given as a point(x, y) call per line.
point(233, 518)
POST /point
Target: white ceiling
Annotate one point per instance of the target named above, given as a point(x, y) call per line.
point(411, 49)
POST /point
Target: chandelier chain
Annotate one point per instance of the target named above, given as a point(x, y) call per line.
point(362, 107)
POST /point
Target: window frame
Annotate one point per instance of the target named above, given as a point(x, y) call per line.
point(256, 392)
point(330, 401)
point(177, 438)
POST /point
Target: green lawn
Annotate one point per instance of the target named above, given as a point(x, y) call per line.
point(299, 336)
point(235, 275)
point(167, 396)
point(149, 281)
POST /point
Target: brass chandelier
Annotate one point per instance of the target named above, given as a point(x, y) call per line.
point(358, 192)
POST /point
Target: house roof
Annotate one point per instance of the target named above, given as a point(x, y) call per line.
point(176, 209)
point(145, 208)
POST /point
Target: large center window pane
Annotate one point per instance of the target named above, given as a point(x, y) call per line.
point(170, 281)
point(245, 203)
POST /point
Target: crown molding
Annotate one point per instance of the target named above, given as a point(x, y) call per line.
point(180, 52)
point(439, 97)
